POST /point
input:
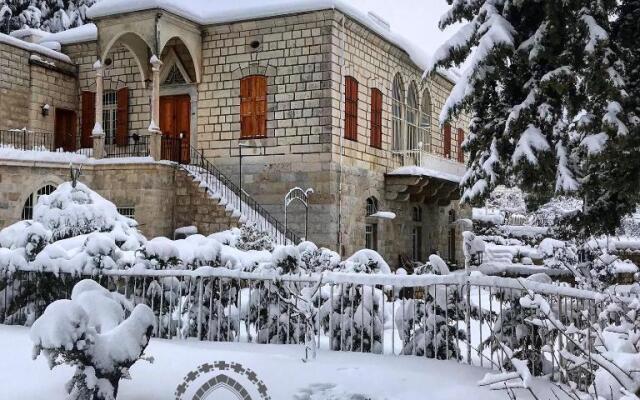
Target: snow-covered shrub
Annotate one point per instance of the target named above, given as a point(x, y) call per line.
point(286, 259)
point(159, 253)
point(354, 313)
point(514, 327)
point(90, 332)
point(366, 261)
point(72, 211)
point(317, 259)
point(427, 325)
point(253, 239)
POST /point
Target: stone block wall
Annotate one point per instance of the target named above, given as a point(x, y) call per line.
point(294, 54)
point(30, 80)
point(163, 196)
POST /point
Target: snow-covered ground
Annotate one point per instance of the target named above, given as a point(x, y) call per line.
point(332, 376)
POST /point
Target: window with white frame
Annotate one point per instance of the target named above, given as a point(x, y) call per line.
point(32, 200)
point(109, 115)
point(425, 119)
point(414, 142)
point(371, 236)
point(397, 108)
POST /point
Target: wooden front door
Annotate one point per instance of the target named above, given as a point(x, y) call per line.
point(65, 130)
point(175, 124)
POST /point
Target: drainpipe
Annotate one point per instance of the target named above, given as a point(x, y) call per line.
point(340, 179)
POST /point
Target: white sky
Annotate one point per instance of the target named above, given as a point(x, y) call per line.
point(417, 20)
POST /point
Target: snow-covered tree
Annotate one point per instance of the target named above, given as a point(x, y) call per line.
point(47, 15)
point(352, 313)
point(428, 326)
point(546, 92)
point(90, 332)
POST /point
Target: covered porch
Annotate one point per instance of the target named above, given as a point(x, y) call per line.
point(153, 96)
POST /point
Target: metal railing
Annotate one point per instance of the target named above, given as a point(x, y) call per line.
point(452, 317)
point(236, 201)
point(24, 139)
point(136, 146)
point(174, 148)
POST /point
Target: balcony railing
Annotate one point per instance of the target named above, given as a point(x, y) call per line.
point(424, 159)
point(25, 139)
point(136, 146)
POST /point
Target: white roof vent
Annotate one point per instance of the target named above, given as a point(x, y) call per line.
point(380, 21)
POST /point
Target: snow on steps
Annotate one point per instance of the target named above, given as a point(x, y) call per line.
point(234, 206)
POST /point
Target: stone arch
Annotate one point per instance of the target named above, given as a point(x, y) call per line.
point(221, 381)
point(186, 55)
point(254, 69)
point(34, 186)
point(138, 47)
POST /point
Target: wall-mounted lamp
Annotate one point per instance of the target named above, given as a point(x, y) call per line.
point(45, 110)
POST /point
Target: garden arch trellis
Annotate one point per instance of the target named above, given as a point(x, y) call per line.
point(302, 196)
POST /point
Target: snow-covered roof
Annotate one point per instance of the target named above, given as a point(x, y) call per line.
point(84, 33)
point(207, 12)
point(12, 41)
point(23, 33)
point(432, 173)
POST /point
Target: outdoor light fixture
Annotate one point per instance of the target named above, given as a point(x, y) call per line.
point(45, 110)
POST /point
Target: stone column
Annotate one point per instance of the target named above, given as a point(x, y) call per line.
point(98, 133)
point(155, 135)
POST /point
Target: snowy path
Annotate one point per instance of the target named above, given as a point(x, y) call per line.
point(333, 376)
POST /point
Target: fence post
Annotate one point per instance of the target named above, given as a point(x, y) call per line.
point(98, 145)
point(200, 299)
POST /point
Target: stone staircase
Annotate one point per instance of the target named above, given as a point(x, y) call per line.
point(212, 202)
point(195, 206)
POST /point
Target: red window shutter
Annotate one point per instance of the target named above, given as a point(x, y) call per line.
point(460, 150)
point(88, 118)
point(376, 118)
point(351, 108)
point(122, 117)
point(447, 140)
point(253, 106)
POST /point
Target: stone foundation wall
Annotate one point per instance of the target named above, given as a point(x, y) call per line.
point(164, 197)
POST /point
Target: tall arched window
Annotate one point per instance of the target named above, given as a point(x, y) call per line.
point(425, 119)
point(372, 206)
point(413, 139)
point(397, 104)
point(32, 200)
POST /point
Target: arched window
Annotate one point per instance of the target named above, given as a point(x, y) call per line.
point(32, 200)
point(452, 216)
point(413, 139)
point(372, 206)
point(397, 105)
point(425, 119)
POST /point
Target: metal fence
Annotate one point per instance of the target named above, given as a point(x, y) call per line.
point(23, 139)
point(136, 146)
point(451, 317)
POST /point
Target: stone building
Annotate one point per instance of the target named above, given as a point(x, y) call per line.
point(311, 95)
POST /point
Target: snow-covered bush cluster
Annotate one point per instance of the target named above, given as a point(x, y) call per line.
point(93, 333)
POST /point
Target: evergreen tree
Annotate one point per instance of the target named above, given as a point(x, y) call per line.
point(548, 96)
point(48, 15)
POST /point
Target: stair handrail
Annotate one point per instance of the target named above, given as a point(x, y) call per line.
point(282, 234)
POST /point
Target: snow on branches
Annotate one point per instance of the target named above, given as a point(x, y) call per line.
point(552, 100)
point(90, 332)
